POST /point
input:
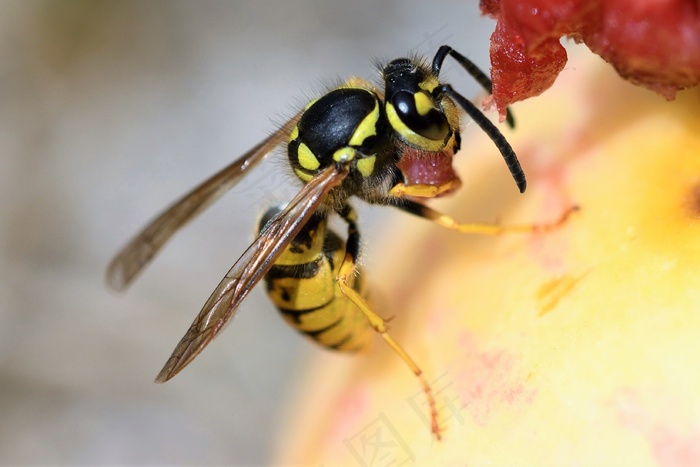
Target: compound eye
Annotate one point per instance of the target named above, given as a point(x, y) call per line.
point(418, 112)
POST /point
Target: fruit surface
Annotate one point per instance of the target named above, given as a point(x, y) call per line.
point(578, 345)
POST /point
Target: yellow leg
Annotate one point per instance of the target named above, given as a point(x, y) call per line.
point(379, 325)
point(423, 191)
point(448, 222)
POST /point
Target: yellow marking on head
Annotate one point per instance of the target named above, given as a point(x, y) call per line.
point(344, 154)
point(294, 134)
point(429, 84)
point(408, 135)
point(306, 158)
point(366, 128)
point(366, 165)
point(424, 104)
point(303, 176)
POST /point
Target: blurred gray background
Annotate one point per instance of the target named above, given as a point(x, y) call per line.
point(109, 111)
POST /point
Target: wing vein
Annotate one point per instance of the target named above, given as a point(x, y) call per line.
point(253, 264)
point(143, 247)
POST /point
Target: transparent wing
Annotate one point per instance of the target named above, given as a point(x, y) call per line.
point(141, 249)
point(250, 268)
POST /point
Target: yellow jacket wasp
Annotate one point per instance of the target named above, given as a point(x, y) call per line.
point(385, 147)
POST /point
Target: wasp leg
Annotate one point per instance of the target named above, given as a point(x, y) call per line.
point(450, 223)
point(420, 190)
point(347, 269)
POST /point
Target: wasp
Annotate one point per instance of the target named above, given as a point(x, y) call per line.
point(391, 147)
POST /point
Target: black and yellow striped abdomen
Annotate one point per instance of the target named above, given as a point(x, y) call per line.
point(302, 285)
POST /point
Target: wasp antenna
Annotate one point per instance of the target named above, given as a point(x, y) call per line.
point(439, 58)
point(471, 68)
point(490, 129)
